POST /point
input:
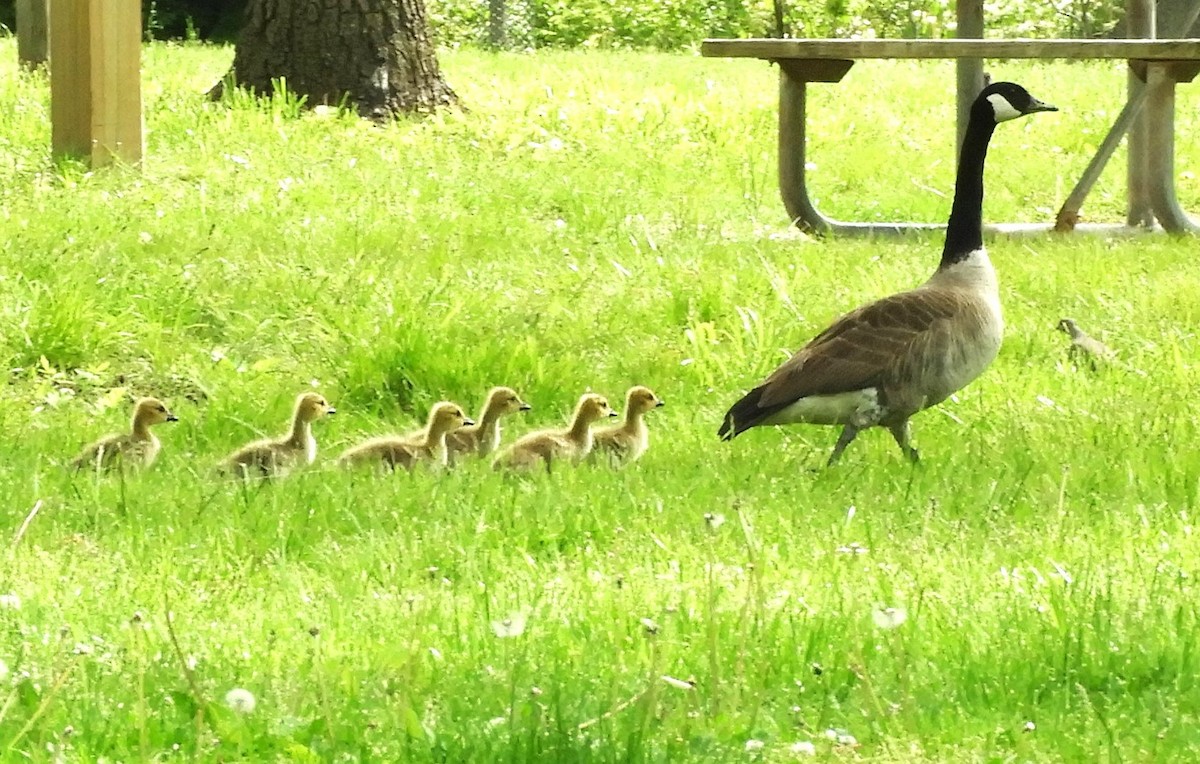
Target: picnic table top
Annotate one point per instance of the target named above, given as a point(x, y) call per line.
point(774, 48)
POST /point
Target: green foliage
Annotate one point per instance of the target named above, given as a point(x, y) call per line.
point(596, 219)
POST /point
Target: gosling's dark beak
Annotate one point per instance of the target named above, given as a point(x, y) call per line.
point(1036, 105)
point(468, 422)
point(172, 418)
point(330, 411)
point(660, 403)
point(612, 413)
point(525, 407)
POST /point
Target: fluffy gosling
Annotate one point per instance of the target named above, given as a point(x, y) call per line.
point(625, 443)
point(276, 457)
point(546, 447)
point(482, 437)
point(138, 448)
point(427, 445)
point(1084, 347)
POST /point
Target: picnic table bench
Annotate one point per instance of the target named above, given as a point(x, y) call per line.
point(1155, 68)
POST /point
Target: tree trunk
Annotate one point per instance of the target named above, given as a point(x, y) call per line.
point(373, 54)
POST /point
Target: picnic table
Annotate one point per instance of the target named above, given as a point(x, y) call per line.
point(1155, 66)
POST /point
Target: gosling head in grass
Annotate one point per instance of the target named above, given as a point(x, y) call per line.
point(137, 448)
point(546, 448)
point(276, 457)
point(1085, 348)
point(427, 445)
point(625, 443)
point(482, 437)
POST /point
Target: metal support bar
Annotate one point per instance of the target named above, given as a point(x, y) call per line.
point(1140, 18)
point(1160, 149)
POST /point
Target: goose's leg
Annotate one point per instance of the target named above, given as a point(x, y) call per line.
point(849, 433)
point(903, 435)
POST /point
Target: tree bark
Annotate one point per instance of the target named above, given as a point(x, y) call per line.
point(373, 54)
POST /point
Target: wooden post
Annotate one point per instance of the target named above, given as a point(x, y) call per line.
point(31, 33)
point(969, 71)
point(95, 79)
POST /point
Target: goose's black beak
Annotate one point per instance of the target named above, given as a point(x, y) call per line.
point(660, 404)
point(172, 418)
point(468, 422)
point(613, 413)
point(525, 407)
point(1036, 105)
point(330, 411)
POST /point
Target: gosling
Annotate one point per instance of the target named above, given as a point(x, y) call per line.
point(138, 448)
point(276, 457)
point(482, 437)
point(547, 447)
point(625, 443)
point(427, 445)
point(1084, 347)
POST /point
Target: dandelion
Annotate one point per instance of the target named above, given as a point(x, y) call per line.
point(754, 745)
point(512, 626)
point(240, 700)
point(803, 748)
point(889, 617)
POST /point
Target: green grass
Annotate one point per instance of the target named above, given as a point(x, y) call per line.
point(593, 220)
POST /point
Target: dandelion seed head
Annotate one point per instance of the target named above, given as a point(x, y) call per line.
point(714, 520)
point(240, 700)
point(10, 602)
point(3, 671)
point(803, 748)
point(512, 626)
point(889, 617)
point(754, 745)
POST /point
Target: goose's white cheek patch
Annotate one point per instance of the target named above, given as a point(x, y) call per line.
point(1002, 108)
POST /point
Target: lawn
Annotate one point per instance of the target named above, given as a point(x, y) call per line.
point(593, 220)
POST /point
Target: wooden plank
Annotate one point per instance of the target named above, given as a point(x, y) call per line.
point(32, 31)
point(1149, 50)
point(95, 80)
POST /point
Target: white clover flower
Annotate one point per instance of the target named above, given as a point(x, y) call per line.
point(804, 748)
point(10, 602)
point(240, 700)
point(714, 520)
point(889, 617)
point(754, 745)
point(3, 671)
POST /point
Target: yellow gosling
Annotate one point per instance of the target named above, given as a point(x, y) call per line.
point(427, 445)
point(483, 437)
point(276, 457)
point(547, 447)
point(626, 442)
point(137, 448)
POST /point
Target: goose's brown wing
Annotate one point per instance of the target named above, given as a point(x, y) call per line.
point(860, 348)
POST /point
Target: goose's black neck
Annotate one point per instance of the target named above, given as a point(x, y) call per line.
point(964, 232)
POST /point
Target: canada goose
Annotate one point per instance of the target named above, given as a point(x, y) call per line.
point(884, 362)
point(137, 448)
point(549, 446)
point(275, 457)
point(626, 442)
point(428, 444)
point(1084, 347)
point(482, 437)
